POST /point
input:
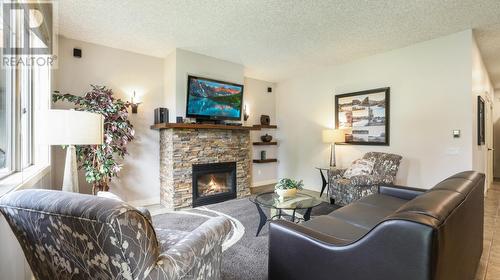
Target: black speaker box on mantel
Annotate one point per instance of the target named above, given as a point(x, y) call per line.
point(161, 115)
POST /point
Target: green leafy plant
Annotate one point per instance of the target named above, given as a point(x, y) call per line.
point(101, 162)
point(287, 184)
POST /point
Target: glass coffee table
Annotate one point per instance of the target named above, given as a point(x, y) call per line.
point(272, 201)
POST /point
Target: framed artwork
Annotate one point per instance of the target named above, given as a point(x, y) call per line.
point(481, 140)
point(365, 116)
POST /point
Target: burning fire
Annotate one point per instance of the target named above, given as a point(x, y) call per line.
point(213, 186)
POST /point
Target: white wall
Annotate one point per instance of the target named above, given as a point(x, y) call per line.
point(260, 102)
point(189, 63)
point(255, 94)
point(123, 72)
point(481, 86)
point(169, 74)
point(430, 96)
point(157, 82)
point(496, 136)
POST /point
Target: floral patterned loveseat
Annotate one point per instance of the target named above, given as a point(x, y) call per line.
point(75, 236)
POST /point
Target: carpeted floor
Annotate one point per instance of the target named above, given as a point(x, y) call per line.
point(244, 256)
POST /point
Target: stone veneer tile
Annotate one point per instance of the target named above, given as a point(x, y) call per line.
point(181, 148)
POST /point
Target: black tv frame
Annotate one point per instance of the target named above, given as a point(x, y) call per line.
point(212, 118)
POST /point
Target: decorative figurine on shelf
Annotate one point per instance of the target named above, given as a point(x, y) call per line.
point(246, 115)
point(266, 138)
point(265, 120)
point(263, 155)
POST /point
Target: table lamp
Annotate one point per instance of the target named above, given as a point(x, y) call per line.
point(333, 136)
point(70, 127)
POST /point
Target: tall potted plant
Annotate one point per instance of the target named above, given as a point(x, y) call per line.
point(101, 162)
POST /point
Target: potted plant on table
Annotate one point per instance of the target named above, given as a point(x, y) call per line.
point(288, 187)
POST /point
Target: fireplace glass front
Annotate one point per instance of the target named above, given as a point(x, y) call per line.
point(213, 182)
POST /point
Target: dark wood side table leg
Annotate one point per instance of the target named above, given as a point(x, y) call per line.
point(325, 183)
point(307, 215)
point(263, 219)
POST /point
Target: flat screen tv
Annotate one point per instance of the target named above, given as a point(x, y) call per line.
point(209, 99)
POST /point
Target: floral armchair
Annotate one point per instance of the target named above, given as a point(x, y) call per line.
point(74, 236)
point(346, 190)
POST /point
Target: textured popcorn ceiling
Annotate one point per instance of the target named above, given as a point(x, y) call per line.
point(489, 44)
point(275, 39)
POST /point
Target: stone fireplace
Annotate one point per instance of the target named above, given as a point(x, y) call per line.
point(188, 152)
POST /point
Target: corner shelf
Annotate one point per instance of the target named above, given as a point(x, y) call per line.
point(261, 126)
point(265, 160)
point(265, 143)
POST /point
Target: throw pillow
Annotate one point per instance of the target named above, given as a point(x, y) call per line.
point(359, 167)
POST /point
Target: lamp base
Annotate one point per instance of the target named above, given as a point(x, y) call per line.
point(332, 155)
point(70, 179)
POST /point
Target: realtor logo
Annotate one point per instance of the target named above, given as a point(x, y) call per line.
point(28, 35)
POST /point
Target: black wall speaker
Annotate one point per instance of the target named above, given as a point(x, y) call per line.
point(77, 53)
point(269, 89)
point(161, 115)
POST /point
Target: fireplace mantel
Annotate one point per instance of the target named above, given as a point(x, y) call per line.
point(202, 126)
point(185, 145)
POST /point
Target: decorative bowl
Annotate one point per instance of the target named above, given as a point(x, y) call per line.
point(286, 193)
point(266, 138)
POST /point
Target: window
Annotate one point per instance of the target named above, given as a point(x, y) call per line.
point(5, 122)
point(22, 90)
point(16, 117)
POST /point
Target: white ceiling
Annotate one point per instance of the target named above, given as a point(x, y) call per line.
point(488, 38)
point(275, 39)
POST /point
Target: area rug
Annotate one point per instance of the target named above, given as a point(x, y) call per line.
point(244, 255)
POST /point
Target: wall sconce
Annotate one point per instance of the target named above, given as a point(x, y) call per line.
point(134, 105)
point(245, 114)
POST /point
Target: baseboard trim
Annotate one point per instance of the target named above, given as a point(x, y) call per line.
point(263, 183)
point(144, 202)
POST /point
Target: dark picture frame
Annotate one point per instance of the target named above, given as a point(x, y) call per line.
point(365, 115)
point(481, 135)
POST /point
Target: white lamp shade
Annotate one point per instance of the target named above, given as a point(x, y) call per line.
point(70, 127)
point(333, 136)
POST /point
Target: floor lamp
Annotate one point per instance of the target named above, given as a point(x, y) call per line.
point(70, 128)
point(332, 136)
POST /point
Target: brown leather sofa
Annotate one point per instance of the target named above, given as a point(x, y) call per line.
point(398, 233)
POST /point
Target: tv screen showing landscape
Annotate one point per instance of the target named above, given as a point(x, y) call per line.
point(213, 99)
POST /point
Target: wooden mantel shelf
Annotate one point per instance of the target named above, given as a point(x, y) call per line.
point(265, 160)
point(262, 126)
point(265, 143)
point(200, 126)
